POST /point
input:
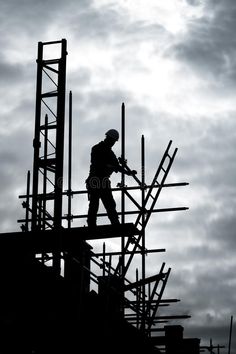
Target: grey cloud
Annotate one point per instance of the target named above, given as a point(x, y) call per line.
point(219, 334)
point(80, 79)
point(92, 23)
point(209, 45)
point(213, 230)
point(108, 23)
point(108, 107)
point(224, 231)
point(194, 2)
point(16, 158)
point(200, 278)
point(205, 156)
point(108, 98)
point(208, 295)
point(10, 73)
point(205, 150)
point(24, 14)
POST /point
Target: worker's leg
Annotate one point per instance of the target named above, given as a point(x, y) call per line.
point(110, 204)
point(93, 207)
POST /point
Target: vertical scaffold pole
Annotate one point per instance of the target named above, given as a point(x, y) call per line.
point(36, 141)
point(27, 202)
point(45, 173)
point(69, 160)
point(60, 137)
point(60, 148)
point(123, 159)
point(230, 334)
point(143, 222)
point(122, 184)
point(122, 195)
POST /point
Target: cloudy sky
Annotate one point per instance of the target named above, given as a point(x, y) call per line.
point(172, 63)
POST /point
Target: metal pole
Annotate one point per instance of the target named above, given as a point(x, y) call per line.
point(44, 201)
point(69, 160)
point(59, 153)
point(137, 298)
point(27, 203)
point(211, 347)
point(230, 334)
point(36, 141)
point(122, 260)
point(143, 224)
point(45, 171)
point(123, 159)
point(122, 183)
point(60, 137)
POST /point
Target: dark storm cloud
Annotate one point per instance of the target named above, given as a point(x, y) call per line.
point(218, 334)
point(210, 44)
point(23, 15)
point(206, 292)
point(209, 297)
point(207, 268)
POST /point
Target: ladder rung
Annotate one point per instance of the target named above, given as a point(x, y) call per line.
point(51, 42)
point(51, 61)
point(47, 162)
point(49, 94)
point(44, 127)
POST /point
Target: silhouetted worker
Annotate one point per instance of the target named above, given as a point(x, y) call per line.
point(103, 163)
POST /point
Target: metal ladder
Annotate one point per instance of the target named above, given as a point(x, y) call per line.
point(156, 185)
point(48, 140)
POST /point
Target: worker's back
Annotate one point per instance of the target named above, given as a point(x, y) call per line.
point(103, 161)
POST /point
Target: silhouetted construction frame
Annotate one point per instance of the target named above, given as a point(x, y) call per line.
point(44, 209)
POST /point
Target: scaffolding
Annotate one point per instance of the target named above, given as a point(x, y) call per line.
point(137, 301)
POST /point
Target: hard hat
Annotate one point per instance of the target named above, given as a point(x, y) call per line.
point(112, 133)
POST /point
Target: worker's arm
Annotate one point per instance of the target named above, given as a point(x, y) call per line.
point(119, 168)
point(126, 169)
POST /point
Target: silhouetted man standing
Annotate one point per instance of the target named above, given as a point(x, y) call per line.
point(103, 164)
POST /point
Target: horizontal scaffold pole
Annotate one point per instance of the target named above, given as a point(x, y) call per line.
point(166, 185)
point(129, 252)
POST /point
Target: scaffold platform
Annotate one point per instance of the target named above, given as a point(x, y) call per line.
point(63, 239)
